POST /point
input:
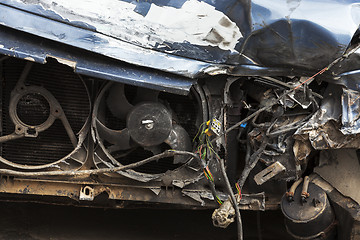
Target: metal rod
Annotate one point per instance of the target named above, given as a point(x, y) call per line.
point(290, 193)
point(251, 163)
point(9, 137)
point(233, 200)
point(68, 129)
point(304, 192)
point(24, 74)
point(73, 173)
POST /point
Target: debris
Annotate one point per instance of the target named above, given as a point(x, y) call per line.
point(269, 173)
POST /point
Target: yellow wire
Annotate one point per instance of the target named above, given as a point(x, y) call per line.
point(201, 125)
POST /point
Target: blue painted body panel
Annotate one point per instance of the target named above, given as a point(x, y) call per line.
point(278, 38)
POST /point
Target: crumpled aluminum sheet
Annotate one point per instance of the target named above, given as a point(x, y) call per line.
point(335, 125)
point(207, 37)
point(350, 117)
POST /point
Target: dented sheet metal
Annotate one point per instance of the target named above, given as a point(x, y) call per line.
point(98, 43)
point(272, 119)
point(347, 73)
point(350, 116)
point(33, 48)
point(335, 164)
point(335, 125)
point(285, 36)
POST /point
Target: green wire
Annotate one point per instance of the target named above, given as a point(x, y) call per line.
point(218, 200)
point(201, 125)
point(208, 177)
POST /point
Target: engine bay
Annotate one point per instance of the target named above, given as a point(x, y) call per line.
point(109, 144)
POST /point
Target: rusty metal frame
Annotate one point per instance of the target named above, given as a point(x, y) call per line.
point(73, 190)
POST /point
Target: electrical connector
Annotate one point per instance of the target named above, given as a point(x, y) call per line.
point(214, 127)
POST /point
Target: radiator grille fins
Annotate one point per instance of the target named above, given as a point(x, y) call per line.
point(54, 143)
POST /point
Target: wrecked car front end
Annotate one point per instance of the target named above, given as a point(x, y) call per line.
point(231, 105)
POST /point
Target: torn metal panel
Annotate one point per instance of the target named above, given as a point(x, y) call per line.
point(334, 125)
point(181, 183)
point(100, 43)
point(347, 72)
point(22, 45)
point(350, 102)
point(335, 165)
point(268, 118)
point(302, 150)
point(328, 136)
point(145, 23)
point(257, 33)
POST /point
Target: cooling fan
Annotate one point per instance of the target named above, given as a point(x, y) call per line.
point(45, 110)
point(132, 123)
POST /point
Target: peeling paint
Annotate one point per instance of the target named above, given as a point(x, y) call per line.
point(196, 22)
point(30, 59)
point(64, 61)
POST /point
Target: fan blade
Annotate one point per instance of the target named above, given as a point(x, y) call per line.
point(120, 138)
point(146, 95)
point(154, 149)
point(117, 102)
point(179, 140)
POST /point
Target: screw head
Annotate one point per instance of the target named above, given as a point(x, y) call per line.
point(149, 124)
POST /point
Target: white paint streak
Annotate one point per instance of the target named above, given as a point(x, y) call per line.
point(196, 22)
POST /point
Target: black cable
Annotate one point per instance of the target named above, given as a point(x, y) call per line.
point(233, 200)
point(252, 115)
point(213, 190)
point(288, 127)
point(260, 125)
point(251, 163)
point(346, 55)
point(294, 125)
point(73, 173)
point(248, 152)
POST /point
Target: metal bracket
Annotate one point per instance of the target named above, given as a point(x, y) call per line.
point(269, 172)
point(86, 193)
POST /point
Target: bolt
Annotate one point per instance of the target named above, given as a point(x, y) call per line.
point(149, 124)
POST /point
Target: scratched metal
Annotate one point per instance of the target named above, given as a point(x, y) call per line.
point(294, 34)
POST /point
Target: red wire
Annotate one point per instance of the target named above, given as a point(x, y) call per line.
point(320, 72)
point(239, 190)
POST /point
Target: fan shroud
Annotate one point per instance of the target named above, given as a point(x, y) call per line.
point(186, 116)
point(32, 99)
